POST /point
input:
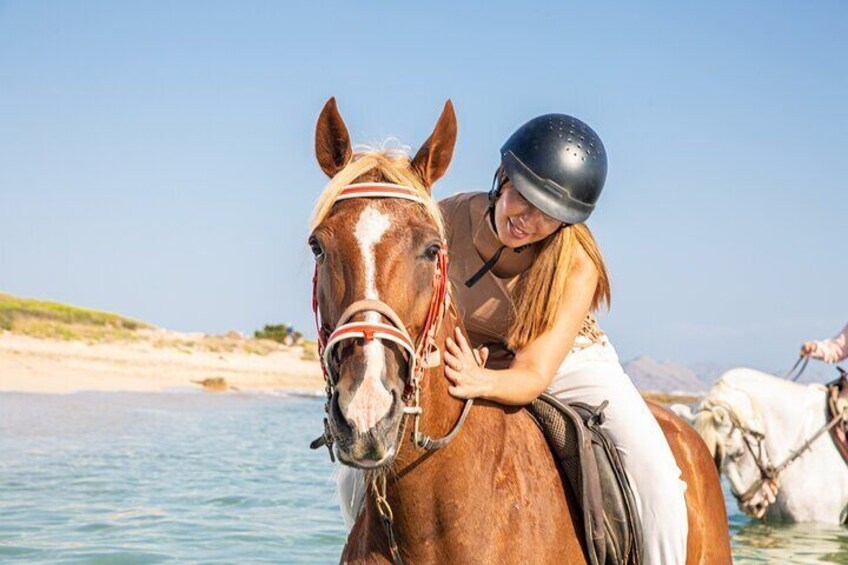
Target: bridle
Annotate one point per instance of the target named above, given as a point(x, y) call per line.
point(769, 473)
point(421, 353)
point(755, 444)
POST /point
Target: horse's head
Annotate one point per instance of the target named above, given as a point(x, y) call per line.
point(730, 423)
point(376, 261)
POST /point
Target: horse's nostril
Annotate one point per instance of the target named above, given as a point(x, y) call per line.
point(337, 415)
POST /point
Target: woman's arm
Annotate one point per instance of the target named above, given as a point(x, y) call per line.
point(534, 365)
point(831, 350)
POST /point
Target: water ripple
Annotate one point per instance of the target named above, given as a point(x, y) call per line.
point(174, 478)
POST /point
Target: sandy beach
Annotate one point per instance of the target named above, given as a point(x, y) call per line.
point(159, 361)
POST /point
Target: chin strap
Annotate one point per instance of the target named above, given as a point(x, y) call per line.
point(490, 264)
point(487, 266)
point(494, 194)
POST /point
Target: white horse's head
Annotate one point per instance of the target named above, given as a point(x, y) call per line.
point(730, 421)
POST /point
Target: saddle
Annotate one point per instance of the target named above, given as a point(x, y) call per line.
point(837, 403)
point(594, 471)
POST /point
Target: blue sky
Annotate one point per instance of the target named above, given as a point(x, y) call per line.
point(156, 159)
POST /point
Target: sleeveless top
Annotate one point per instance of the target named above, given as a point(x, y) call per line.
point(487, 309)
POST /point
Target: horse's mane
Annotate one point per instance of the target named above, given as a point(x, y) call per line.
point(735, 398)
point(393, 165)
point(729, 400)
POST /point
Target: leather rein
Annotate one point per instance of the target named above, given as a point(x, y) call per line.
point(422, 353)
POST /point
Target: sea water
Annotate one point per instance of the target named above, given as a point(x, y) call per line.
point(128, 478)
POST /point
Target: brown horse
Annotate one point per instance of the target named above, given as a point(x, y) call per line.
point(495, 494)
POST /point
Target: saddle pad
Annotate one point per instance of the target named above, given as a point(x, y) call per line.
point(837, 403)
point(595, 474)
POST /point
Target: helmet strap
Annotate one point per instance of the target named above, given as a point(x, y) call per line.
point(487, 266)
point(494, 194)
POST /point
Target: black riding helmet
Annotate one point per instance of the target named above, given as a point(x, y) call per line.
point(558, 164)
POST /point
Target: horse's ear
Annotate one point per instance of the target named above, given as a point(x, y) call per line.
point(332, 141)
point(432, 160)
point(720, 415)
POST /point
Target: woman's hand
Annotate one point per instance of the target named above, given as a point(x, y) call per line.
point(808, 348)
point(464, 367)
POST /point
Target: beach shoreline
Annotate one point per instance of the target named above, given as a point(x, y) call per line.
point(167, 361)
point(161, 361)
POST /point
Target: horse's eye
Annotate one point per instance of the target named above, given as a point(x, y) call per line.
point(432, 252)
point(736, 456)
point(315, 245)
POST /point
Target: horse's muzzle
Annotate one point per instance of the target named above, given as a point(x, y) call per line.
point(757, 505)
point(372, 448)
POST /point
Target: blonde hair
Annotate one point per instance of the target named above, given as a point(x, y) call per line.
point(393, 165)
point(540, 290)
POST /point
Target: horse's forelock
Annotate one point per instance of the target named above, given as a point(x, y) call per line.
point(739, 399)
point(724, 406)
point(393, 165)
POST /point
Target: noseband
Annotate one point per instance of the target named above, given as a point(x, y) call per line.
point(421, 354)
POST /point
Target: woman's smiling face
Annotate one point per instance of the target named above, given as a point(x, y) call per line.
point(519, 222)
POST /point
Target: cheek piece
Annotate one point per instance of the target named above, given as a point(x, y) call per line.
point(494, 194)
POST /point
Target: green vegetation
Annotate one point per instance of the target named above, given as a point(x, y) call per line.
point(51, 320)
point(280, 333)
point(40, 318)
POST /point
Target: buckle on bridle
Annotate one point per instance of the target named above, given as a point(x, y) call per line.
point(326, 439)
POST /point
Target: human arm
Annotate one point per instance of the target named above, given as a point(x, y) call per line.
point(831, 350)
point(536, 363)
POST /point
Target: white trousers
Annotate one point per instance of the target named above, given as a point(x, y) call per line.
point(592, 375)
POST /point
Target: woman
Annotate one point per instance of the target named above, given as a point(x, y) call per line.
point(831, 350)
point(528, 308)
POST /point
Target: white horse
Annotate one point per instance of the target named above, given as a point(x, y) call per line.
point(754, 423)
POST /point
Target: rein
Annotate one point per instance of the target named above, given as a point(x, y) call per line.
point(422, 353)
point(800, 365)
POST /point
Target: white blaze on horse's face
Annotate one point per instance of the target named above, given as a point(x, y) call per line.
point(372, 400)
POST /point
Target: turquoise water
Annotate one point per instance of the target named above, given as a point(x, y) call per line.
point(211, 478)
point(137, 478)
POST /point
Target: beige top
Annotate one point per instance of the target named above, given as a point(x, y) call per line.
point(486, 308)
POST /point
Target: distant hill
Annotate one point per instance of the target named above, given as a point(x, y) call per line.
point(666, 376)
point(42, 318)
point(651, 375)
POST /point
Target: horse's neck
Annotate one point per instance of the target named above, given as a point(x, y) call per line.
point(790, 415)
point(438, 497)
point(440, 410)
point(417, 472)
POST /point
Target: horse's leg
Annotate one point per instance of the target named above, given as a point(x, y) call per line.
point(709, 539)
